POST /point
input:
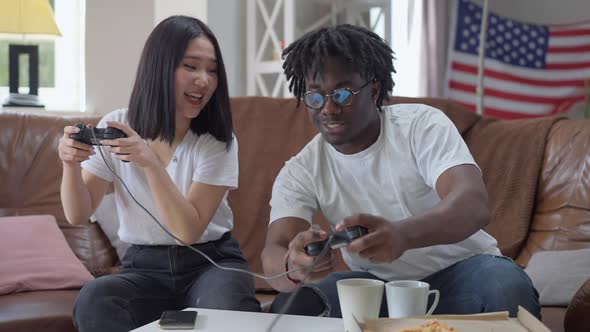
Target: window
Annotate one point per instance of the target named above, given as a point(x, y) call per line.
point(61, 60)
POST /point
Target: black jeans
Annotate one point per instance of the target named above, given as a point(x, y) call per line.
point(158, 278)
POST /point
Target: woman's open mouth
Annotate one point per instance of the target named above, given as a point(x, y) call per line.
point(193, 98)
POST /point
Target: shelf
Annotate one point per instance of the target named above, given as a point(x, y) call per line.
point(271, 25)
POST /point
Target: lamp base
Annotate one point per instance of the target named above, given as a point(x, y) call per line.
point(22, 100)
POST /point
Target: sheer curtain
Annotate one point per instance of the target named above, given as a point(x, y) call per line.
point(420, 39)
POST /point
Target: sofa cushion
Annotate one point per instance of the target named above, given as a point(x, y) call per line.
point(29, 161)
point(557, 275)
point(39, 311)
point(552, 317)
point(30, 174)
point(34, 255)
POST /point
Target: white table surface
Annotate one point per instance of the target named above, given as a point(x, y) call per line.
point(240, 321)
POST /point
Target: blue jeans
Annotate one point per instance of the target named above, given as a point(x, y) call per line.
point(482, 283)
point(158, 278)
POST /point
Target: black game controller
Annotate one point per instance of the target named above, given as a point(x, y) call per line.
point(86, 135)
point(339, 240)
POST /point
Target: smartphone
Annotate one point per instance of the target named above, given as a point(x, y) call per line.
point(177, 320)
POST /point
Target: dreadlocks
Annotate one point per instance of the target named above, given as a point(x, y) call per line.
point(358, 46)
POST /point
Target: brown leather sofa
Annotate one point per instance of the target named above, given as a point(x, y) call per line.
point(556, 217)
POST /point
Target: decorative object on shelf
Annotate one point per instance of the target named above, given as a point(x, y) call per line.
point(530, 70)
point(25, 17)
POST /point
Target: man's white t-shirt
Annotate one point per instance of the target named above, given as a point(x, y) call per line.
point(197, 158)
point(394, 178)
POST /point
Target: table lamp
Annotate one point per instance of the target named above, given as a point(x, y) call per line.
point(25, 17)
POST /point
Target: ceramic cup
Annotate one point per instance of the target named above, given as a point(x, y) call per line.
point(360, 300)
point(407, 298)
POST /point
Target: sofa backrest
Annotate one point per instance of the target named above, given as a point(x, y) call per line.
point(30, 177)
point(510, 155)
point(562, 214)
point(557, 216)
point(271, 130)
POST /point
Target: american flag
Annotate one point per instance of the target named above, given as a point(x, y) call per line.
point(530, 70)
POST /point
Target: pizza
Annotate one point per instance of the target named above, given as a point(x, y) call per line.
point(431, 326)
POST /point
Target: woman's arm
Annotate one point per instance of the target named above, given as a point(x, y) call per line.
point(81, 191)
point(186, 217)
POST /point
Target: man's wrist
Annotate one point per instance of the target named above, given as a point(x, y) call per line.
point(294, 281)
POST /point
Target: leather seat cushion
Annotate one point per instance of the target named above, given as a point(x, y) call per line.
point(38, 311)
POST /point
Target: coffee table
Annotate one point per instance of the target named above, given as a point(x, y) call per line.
point(241, 321)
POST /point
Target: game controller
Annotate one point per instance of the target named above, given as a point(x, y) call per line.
point(339, 240)
point(85, 134)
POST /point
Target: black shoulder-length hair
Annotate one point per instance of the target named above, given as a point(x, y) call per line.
point(152, 106)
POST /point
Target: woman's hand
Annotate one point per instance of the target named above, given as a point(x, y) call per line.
point(72, 152)
point(133, 148)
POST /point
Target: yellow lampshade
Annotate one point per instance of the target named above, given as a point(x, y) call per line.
point(27, 17)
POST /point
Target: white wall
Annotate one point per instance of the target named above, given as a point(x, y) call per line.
point(116, 31)
point(166, 8)
point(227, 20)
point(541, 11)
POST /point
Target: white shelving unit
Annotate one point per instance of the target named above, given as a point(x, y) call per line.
point(273, 24)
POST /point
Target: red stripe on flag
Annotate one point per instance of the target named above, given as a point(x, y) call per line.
point(570, 33)
point(562, 66)
point(508, 95)
point(568, 49)
point(513, 78)
point(470, 107)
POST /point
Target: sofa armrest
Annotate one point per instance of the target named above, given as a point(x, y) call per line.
point(107, 271)
point(576, 316)
point(91, 246)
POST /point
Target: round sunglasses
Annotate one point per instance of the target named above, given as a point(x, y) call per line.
point(342, 97)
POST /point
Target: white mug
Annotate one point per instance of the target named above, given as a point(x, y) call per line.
point(407, 298)
point(360, 300)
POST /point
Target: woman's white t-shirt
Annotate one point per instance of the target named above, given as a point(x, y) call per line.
point(197, 158)
point(394, 178)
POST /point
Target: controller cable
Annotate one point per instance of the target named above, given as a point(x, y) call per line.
point(291, 298)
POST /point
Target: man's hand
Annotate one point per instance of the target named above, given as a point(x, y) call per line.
point(300, 261)
point(384, 243)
